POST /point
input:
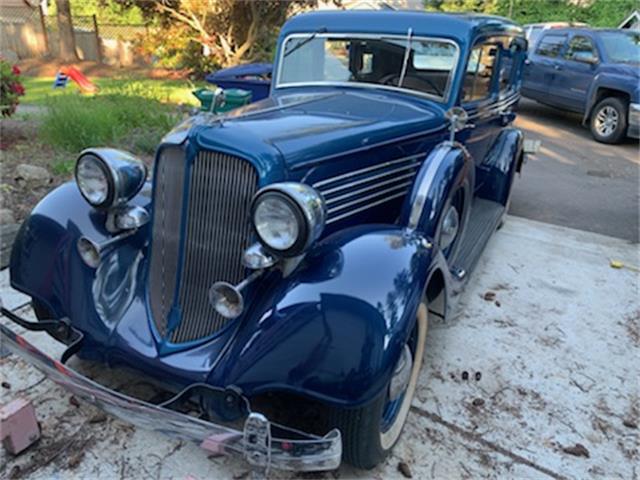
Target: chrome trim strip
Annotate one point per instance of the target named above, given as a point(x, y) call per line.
point(370, 187)
point(425, 185)
point(364, 170)
point(443, 99)
point(369, 197)
point(358, 210)
point(370, 179)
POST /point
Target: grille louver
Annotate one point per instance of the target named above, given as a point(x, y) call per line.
point(217, 231)
point(353, 192)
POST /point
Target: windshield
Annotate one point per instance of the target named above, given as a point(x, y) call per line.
point(379, 61)
point(623, 47)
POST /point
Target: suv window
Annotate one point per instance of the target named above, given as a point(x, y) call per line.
point(580, 45)
point(479, 73)
point(551, 45)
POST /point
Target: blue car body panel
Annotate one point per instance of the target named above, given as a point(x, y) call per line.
point(333, 328)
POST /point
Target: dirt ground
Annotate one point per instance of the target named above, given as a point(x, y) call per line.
point(19, 145)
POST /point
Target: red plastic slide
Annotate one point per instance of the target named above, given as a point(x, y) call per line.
point(84, 84)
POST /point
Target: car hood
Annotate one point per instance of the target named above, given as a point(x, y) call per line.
point(624, 69)
point(309, 126)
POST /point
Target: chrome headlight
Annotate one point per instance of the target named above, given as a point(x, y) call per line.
point(288, 217)
point(108, 178)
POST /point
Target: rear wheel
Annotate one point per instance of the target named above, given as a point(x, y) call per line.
point(609, 120)
point(370, 432)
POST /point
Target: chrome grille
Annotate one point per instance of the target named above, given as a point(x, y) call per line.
point(350, 193)
point(217, 233)
point(217, 230)
point(167, 208)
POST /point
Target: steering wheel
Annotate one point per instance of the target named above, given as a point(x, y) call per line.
point(393, 79)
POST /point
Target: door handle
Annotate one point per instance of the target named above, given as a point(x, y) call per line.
point(557, 67)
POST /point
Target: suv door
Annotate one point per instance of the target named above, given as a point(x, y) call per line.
point(542, 65)
point(571, 83)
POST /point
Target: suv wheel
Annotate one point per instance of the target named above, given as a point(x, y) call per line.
point(609, 120)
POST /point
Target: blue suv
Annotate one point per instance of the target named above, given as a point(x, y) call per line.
point(592, 72)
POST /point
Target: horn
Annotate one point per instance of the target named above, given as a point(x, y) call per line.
point(91, 252)
point(227, 299)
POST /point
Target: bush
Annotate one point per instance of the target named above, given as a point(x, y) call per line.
point(122, 118)
point(10, 87)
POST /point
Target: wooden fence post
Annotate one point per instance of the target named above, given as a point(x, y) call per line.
point(98, 43)
point(45, 33)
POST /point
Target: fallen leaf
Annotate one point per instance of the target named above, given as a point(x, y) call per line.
point(477, 402)
point(490, 296)
point(629, 423)
point(578, 450)
point(98, 418)
point(404, 469)
point(74, 401)
point(6, 385)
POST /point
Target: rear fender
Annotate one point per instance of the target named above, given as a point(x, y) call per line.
point(500, 165)
point(334, 330)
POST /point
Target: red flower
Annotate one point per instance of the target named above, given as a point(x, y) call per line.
point(17, 89)
point(15, 70)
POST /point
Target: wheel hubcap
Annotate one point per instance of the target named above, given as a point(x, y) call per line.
point(401, 374)
point(606, 121)
point(450, 226)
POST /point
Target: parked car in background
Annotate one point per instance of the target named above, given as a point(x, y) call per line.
point(533, 30)
point(253, 77)
point(282, 263)
point(592, 72)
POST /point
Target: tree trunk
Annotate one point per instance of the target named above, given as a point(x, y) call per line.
point(65, 32)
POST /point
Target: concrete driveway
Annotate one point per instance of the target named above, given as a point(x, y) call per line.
point(575, 181)
point(536, 377)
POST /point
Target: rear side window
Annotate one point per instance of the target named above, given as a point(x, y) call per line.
point(580, 45)
point(551, 45)
point(479, 74)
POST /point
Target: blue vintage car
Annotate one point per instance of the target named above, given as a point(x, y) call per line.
point(280, 266)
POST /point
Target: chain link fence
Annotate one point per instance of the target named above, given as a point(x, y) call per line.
point(28, 33)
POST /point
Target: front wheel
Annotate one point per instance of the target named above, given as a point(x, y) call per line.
point(609, 120)
point(370, 432)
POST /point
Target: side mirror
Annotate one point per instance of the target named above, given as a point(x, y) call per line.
point(585, 57)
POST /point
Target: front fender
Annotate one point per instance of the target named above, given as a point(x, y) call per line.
point(44, 261)
point(610, 82)
point(446, 169)
point(335, 331)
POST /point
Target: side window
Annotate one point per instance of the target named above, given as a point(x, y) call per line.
point(579, 48)
point(479, 73)
point(551, 45)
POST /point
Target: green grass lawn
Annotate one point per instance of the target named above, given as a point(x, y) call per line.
point(39, 89)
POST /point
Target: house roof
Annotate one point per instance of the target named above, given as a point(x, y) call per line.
point(458, 27)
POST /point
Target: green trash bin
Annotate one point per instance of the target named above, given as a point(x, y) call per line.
point(233, 98)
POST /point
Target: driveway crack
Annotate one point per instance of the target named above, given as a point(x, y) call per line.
point(475, 437)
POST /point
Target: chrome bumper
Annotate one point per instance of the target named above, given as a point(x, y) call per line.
point(256, 444)
point(634, 120)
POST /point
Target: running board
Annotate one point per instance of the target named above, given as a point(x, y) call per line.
point(483, 221)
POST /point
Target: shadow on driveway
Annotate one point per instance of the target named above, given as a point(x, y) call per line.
point(575, 181)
